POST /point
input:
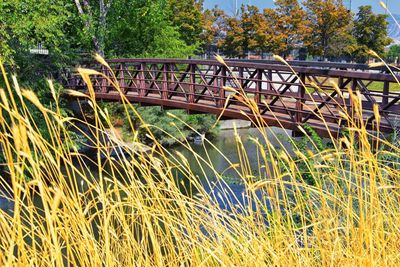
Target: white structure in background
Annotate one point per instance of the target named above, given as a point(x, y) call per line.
point(39, 50)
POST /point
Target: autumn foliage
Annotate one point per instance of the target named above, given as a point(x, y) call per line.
point(324, 28)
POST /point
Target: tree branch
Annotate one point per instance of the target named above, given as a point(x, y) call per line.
point(108, 6)
point(79, 7)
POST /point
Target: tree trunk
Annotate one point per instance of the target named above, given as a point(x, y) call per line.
point(99, 38)
point(102, 28)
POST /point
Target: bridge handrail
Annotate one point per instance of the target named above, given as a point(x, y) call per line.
point(384, 77)
point(319, 64)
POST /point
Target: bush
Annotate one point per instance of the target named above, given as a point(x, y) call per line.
point(163, 123)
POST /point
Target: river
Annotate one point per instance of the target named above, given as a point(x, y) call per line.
point(226, 143)
point(231, 188)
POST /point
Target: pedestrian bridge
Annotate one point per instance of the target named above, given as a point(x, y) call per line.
point(286, 97)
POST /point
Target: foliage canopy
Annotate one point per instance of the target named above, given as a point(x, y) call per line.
point(370, 32)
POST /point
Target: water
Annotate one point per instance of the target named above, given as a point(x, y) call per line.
point(230, 191)
point(231, 187)
point(6, 204)
point(226, 144)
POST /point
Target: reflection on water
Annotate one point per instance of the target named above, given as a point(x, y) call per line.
point(6, 203)
point(231, 189)
point(227, 145)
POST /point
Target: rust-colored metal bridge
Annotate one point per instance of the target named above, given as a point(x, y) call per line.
point(285, 97)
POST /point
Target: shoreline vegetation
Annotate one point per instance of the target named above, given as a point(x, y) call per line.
point(161, 123)
point(118, 131)
point(137, 212)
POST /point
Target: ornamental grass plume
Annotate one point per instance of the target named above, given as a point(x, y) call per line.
point(128, 208)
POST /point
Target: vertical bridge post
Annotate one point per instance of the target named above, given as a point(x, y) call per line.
point(142, 81)
point(301, 90)
point(385, 96)
point(121, 78)
point(350, 108)
point(171, 68)
point(215, 83)
point(164, 93)
point(241, 77)
point(192, 82)
point(103, 80)
point(269, 84)
point(257, 95)
point(221, 94)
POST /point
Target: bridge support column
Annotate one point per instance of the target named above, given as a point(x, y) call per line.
point(172, 83)
point(340, 82)
point(350, 107)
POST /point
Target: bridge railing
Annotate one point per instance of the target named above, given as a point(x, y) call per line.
point(286, 97)
point(326, 65)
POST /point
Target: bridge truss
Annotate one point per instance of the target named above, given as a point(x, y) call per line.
point(285, 97)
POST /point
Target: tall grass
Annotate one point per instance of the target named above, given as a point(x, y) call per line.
point(130, 209)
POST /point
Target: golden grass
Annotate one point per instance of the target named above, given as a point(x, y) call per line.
point(133, 213)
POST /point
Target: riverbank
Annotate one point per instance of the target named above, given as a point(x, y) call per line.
point(225, 125)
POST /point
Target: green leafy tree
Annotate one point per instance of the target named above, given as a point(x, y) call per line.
point(26, 23)
point(343, 44)
point(186, 16)
point(23, 25)
point(370, 32)
point(94, 16)
point(328, 21)
point(142, 28)
point(393, 54)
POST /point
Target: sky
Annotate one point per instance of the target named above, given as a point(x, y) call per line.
point(228, 5)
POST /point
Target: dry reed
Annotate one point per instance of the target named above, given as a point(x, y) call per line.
point(130, 210)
